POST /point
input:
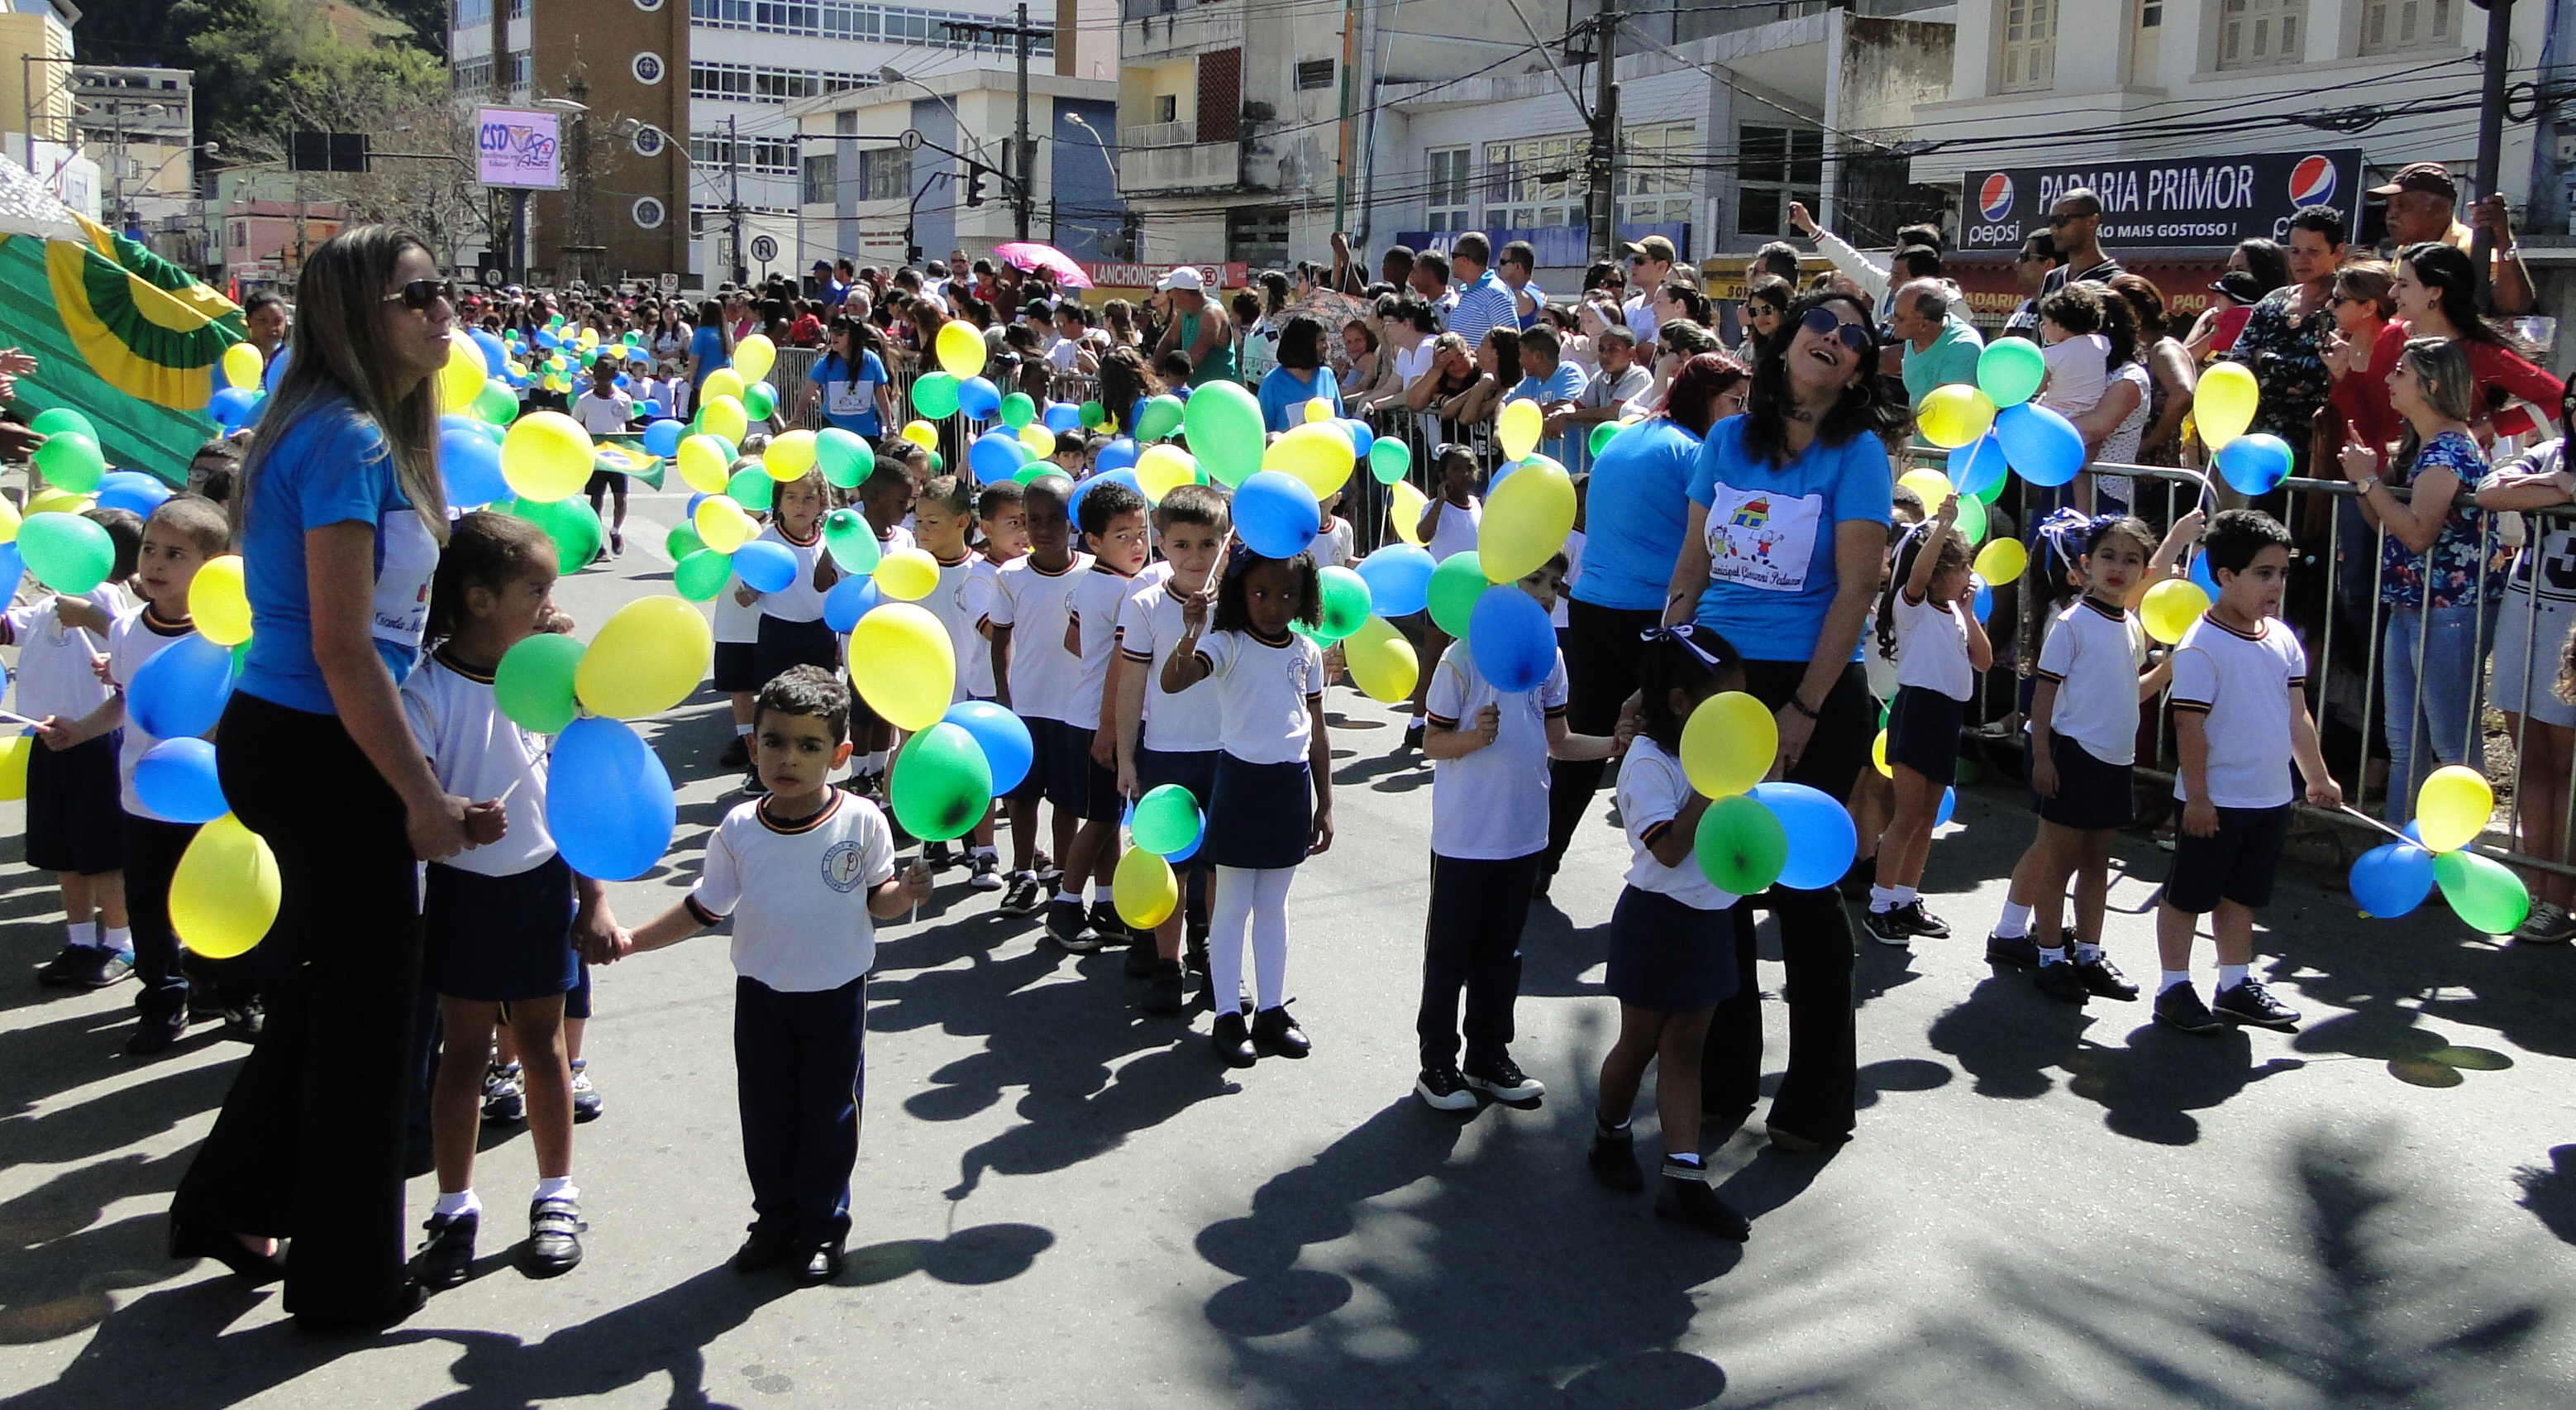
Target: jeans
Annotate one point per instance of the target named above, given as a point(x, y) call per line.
point(1472, 942)
point(2431, 705)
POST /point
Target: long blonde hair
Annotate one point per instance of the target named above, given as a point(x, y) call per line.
point(333, 355)
point(2442, 367)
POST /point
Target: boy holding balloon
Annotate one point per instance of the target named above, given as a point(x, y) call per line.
point(75, 828)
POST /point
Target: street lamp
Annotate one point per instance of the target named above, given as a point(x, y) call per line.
point(1106, 159)
point(889, 74)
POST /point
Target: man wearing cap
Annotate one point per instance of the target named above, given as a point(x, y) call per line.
point(1199, 329)
point(1484, 301)
point(1649, 261)
point(2423, 204)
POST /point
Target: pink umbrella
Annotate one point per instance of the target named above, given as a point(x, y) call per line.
point(1032, 256)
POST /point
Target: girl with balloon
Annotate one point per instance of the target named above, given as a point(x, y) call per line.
point(1940, 650)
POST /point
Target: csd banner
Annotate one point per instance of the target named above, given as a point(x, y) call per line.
point(517, 148)
point(2194, 201)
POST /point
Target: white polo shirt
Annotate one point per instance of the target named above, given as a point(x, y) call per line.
point(799, 601)
point(2094, 654)
point(798, 894)
point(948, 603)
point(1092, 609)
point(976, 595)
point(1149, 626)
point(1491, 805)
point(1263, 688)
point(1652, 792)
point(2241, 685)
point(132, 639)
point(1932, 647)
point(54, 672)
point(1037, 605)
point(478, 753)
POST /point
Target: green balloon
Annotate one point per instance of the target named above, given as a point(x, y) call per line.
point(759, 400)
point(71, 461)
point(2009, 371)
point(934, 395)
point(1094, 415)
point(533, 684)
point(681, 542)
point(570, 523)
point(1455, 586)
point(1161, 417)
point(60, 419)
point(1225, 430)
point(2482, 891)
point(1166, 821)
point(1389, 459)
point(1346, 605)
point(937, 462)
point(752, 488)
point(67, 552)
point(1036, 470)
point(851, 541)
point(1741, 845)
point(496, 403)
point(1602, 436)
point(844, 456)
point(1018, 410)
point(1972, 518)
point(701, 575)
point(941, 784)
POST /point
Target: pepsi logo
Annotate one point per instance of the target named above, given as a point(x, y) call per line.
point(2312, 182)
point(1995, 197)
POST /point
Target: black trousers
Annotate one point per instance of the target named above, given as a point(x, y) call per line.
point(800, 1065)
point(1472, 941)
point(1601, 648)
point(152, 852)
point(1817, 1090)
point(309, 1145)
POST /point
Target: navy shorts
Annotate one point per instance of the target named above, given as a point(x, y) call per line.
point(1260, 815)
point(75, 822)
point(1076, 782)
point(2237, 863)
point(2091, 795)
point(1923, 733)
point(734, 667)
point(497, 938)
point(783, 644)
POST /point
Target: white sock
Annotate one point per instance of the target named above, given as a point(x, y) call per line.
point(1073, 896)
point(2231, 975)
point(2056, 956)
point(1882, 899)
point(2087, 954)
point(1103, 895)
point(986, 852)
point(2016, 922)
point(83, 933)
point(1907, 895)
point(742, 731)
point(461, 1202)
point(118, 938)
point(2168, 979)
point(1688, 1160)
point(876, 762)
point(556, 1187)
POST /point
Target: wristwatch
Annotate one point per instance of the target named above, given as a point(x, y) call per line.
point(2366, 484)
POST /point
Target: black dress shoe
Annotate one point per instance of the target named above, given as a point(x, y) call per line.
point(1275, 1034)
point(1614, 1160)
point(1141, 957)
point(763, 1249)
point(1684, 1195)
point(823, 1263)
point(1232, 1043)
point(1168, 993)
point(339, 1322)
point(255, 1269)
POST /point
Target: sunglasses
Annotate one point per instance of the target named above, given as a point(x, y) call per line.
point(1821, 321)
point(2055, 221)
point(419, 294)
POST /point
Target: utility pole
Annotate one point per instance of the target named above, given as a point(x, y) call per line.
point(1022, 158)
point(733, 203)
point(2491, 133)
point(1601, 167)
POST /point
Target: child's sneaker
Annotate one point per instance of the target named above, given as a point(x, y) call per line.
point(56, 973)
point(2180, 1007)
point(1065, 926)
point(1141, 957)
point(245, 1021)
point(736, 755)
point(986, 874)
point(554, 1237)
point(2104, 979)
point(937, 856)
point(1168, 993)
point(1887, 927)
point(2012, 951)
point(1023, 898)
point(1108, 924)
point(157, 1032)
point(2059, 981)
point(505, 1096)
point(448, 1254)
point(101, 967)
point(751, 784)
point(586, 1103)
point(1918, 921)
point(2250, 1002)
point(1050, 875)
point(1503, 1080)
point(1684, 1194)
point(1442, 1088)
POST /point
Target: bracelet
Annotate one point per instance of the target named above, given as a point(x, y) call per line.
point(1801, 706)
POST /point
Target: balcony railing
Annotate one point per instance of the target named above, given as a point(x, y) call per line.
point(1158, 134)
point(1206, 166)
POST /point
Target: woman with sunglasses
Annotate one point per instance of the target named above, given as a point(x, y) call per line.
point(1763, 300)
point(339, 516)
point(1781, 552)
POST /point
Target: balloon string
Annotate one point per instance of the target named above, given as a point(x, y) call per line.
point(2374, 822)
point(21, 719)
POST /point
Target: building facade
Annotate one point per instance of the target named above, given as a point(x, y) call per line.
point(140, 125)
point(38, 123)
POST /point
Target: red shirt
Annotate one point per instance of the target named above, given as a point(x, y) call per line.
point(2371, 420)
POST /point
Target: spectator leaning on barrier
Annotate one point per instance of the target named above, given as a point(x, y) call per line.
point(2532, 637)
point(1552, 382)
point(1622, 379)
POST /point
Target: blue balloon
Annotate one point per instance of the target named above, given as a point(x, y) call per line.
point(276, 369)
point(1949, 805)
point(1063, 416)
point(1113, 477)
point(1984, 602)
point(546, 338)
point(12, 568)
point(848, 601)
point(1117, 455)
point(182, 690)
point(231, 404)
point(608, 800)
point(1003, 737)
point(472, 466)
point(1174, 859)
point(979, 398)
point(1512, 639)
point(2202, 574)
point(1275, 514)
point(459, 421)
point(1398, 578)
point(2391, 879)
point(1361, 436)
point(995, 455)
point(764, 566)
point(2044, 446)
point(663, 437)
point(650, 406)
point(495, 355)
point(1822, 840)
point(2254, 464)
point(176, 779)
point(1978, 466)
point(131, 490)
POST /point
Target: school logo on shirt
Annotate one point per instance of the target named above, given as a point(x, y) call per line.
point(1762, 538)
point(841, 866)
point(1298, 666)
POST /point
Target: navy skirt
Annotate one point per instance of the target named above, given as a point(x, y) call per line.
point(495, 939)
point(784, 643)
point(1669, 956)
point(1923, 733)
point(1261, 815)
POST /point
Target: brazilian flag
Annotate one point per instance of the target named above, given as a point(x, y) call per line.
point(120, 335)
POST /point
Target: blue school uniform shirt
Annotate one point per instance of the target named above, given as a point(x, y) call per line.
point(330, 467)
point(1284, 398)
point(1565, 384)
point(1771, 575)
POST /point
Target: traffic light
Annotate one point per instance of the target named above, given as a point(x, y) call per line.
point(975, 174)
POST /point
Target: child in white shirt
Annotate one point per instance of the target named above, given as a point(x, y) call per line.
point(2077, 355)
point(75, 829)
point(1940, 648)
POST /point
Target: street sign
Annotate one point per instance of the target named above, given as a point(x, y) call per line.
point(670, 283)
point(764, 248)
point(2204, 201)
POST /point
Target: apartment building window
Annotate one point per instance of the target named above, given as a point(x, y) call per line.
point(2255, 34)
point(472, 75)
point(471, 14)
point(822, 179)
point(885, 174)
point(1658, 173)
point(1774, 166)
point(1167, 107)
point(1448, 202)
point(1314, 73)
point(2392, 26)
point(1257, 235)
point(760, 83)
point(2029, 57)
point(843, 19)
point(767, 156)
point(518, 69)
point(1534, 182)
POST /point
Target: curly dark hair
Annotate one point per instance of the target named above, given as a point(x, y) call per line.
point(1864, 408)
point(1231, 613)
point(806, 690)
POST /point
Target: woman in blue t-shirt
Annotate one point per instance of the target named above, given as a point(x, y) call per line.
point(1299, 377)
point(1781, 554)
point(850, 380)
point(710, 346)
point(339, 514)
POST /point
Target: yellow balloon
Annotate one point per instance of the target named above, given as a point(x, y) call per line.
point(1162, 469)
point(753, 357)
point(2001, 562)
point(922, 434)
point(223, 897)
point(9, 521)
point(721, 524)
point(2452, 807)
point(242, 366)
point(57, 501)
point(1318, 409)
point(723, 416)
point(789, 455)
point(649, 656)
point(546, 456)
point(1878, 756)
point(217, 602)
point(902, 663)
point(1526, 521)
point(1728, 744)
point(15, 751)
point(703, 466)
point(1404, 511)
point(723, 382)
point(1144, 889)
point(1381, 662)
point(961, 349)
point(1038, 438)
point(1954, 414)
point(1317, 453)
point(1517, 429)
point(2171, 607)
point(1930, 486)
point(460, 378)
point(2223, 402)
point(908, 575)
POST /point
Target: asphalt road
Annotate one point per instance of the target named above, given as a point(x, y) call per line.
point(1063, 1201)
